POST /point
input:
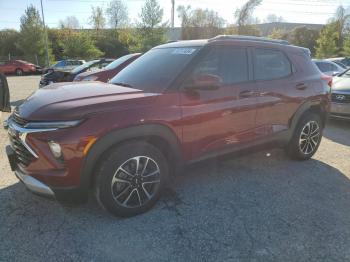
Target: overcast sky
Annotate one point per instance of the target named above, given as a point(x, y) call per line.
point(298, 11)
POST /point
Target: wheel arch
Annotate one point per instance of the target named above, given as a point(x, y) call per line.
point(158, 135)
point(317, 107)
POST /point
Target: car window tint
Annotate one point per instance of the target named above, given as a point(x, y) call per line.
point(324, 67)
point(271, 64)
point(234, 65)
point(208, 64)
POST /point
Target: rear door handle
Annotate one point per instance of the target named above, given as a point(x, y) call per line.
point(301, 86)
point(246, 94)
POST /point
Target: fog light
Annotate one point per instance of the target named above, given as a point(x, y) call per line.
point(55, 149)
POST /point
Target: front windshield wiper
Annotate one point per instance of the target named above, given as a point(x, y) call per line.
point(122, 84)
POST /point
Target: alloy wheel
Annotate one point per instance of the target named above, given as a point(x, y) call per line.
point(136, 182)
point(309, 137)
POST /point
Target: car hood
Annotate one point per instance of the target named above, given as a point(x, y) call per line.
point(341, 84)
point(67, 101)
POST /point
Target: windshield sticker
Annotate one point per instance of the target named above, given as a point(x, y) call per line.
point(183, 51)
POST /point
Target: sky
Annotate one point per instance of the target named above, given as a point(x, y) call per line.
point(297, 11)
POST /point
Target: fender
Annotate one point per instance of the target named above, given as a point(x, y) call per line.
point(307, 106)
point(117, 136)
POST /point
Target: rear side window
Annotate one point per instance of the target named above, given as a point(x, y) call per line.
point(271, 64)
point(229, 63)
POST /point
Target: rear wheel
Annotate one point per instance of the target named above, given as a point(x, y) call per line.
point(306, 138)
point(19, 72)
point(130, 180)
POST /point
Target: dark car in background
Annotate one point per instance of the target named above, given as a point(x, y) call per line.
point(340, 106)
point(107, 73)
point(64, 65)
point(68, 76)
point(178, 103)
point(19, 67)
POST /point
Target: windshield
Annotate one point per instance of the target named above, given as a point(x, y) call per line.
point(346, 73)
point(118, 62)
point(83, 66)
point(156, 69)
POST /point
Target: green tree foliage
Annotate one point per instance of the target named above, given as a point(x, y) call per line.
point(79, 45)
point(199, 23)
point(327, 43)
point(278, 34)
point(8, 43)
point(151, 31)
point(110, 45)
point(31, 41)
point(302, 36)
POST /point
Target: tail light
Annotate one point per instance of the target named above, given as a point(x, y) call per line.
point(328, 79)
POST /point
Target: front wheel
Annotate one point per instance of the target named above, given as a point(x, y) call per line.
point(306, 138)
point(130, 180)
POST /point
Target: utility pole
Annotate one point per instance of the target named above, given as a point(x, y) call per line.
point(172, 19)
point(45, 36)
point(172, 13)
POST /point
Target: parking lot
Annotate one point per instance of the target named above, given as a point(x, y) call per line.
point(257, 207)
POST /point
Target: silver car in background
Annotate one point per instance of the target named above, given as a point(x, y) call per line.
point(340, 106)
point(328, 68)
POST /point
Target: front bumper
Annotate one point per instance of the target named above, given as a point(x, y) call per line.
point(34, 185)
point(340, 110)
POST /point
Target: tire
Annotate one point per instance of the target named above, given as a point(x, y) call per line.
point(122, 190)
point(306, 138)
point(19, 72)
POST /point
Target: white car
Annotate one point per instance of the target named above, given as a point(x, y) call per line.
point(328, 67)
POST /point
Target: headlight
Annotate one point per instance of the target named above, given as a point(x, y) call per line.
point(90, 78)
point(52, 125)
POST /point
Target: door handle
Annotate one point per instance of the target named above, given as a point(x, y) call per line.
point(246, 94)
point(301, 86)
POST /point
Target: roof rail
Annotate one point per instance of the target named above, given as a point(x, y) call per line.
point(249, 38)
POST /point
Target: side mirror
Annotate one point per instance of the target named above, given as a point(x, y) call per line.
point(4, 95)
point(204, 82)
point(335, 73)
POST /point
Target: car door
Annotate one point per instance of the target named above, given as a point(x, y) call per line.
point(218, 119)
point(278, 91)
point(4, 95)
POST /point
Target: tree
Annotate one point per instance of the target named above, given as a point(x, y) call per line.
point(117, 12)
point(8, 43)
point(31, 41)
point(150, 29)
point(278, 34)
point(272, 18)
point(199, 23)
point(79, 45)
point(302, 36)
point(244, 16)
point(97, 20)
point(327, 42)
point(70, 22)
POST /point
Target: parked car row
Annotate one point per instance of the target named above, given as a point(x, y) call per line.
point(178, 103)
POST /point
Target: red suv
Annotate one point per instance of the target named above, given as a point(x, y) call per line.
point(105, 74)
point(177, 104)
point(19, 67)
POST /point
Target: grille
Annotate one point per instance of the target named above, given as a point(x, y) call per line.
point(18, 120)
point(341, 98)
point(24, 157)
